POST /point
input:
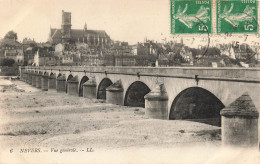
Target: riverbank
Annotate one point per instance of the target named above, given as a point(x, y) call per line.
point(31, 118)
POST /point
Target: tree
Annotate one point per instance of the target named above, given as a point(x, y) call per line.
point(11, 35)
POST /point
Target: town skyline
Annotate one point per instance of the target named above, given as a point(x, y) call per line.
point(131, 21)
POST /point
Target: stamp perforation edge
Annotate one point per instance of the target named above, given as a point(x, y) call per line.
point(214, 24)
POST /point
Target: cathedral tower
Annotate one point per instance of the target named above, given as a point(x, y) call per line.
point(66, 26)
point(85, 27)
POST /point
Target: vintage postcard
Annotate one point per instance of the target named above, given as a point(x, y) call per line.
point(130, 81)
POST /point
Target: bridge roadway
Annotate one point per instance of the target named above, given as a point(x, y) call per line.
point(188, 88)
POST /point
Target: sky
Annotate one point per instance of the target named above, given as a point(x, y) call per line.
point(123, 20)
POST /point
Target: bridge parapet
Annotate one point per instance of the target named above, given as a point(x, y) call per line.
point(181, 72)
point(218, 85)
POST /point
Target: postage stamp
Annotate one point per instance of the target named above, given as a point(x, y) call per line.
point(191, 17)
point(237, 16)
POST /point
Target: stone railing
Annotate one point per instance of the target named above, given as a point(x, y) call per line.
point(244, 74)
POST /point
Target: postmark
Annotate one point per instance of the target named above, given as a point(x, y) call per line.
point(237, 16)
point(191, 17)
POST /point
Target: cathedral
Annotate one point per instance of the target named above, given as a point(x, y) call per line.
point(96, 38)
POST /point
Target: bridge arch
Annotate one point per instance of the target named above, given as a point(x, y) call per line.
point(195, 103)
point(69, 77)
point(82, 81)
point(135, 94)
point(52, 74)
point(101, 93)
point(46, 73)
point(59, 75)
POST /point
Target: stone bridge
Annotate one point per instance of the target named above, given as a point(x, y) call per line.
point(178, 92)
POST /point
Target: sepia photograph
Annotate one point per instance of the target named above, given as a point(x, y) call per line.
point(130, 81)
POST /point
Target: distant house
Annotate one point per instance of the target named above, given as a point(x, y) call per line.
point(226, 52)
point(117, 60)
point(29, 49)
point(13, 50)
point(134, 49)
point(121, 48)
point(44, 56)
point(143, 49)
point(125, 60)
point(29, 55)
point(90, 60)
point(107, 60)
point(67, 59)
point(243, 52)
point(147, 48)
point(186, 54)
point(256, 48)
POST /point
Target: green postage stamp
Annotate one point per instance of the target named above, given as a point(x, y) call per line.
point(232, 16)
point(237, 16)
point(191, 16)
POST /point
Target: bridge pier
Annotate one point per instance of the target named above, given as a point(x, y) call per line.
point(30, 78)
point(114, 93)
point(89, 89)
point(51, 82)
point(38, 81)
point(34, 79)
point(156, 103)
point(61, 84)
point(240, 123)
point(22, 71)
point(25, 76)
point(73, 86)
point(44, 82)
